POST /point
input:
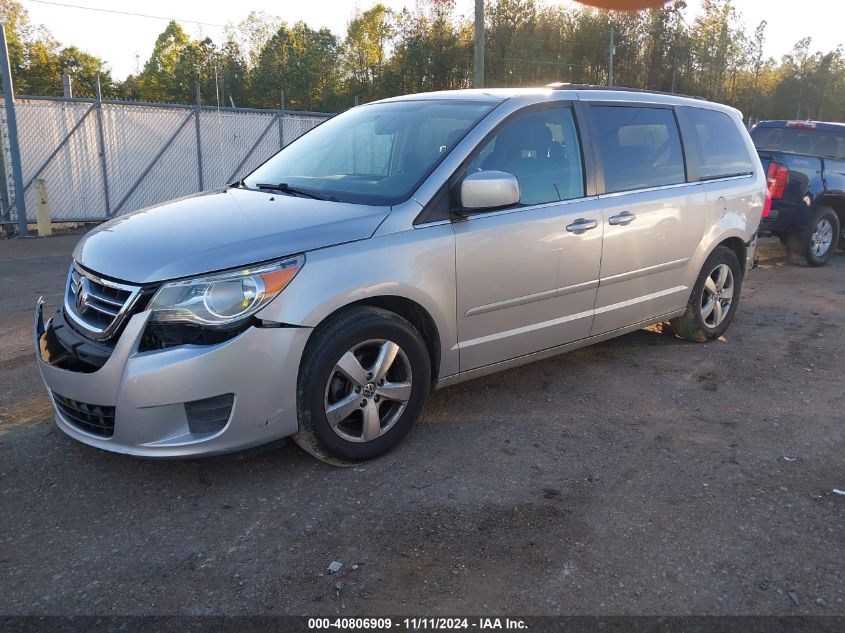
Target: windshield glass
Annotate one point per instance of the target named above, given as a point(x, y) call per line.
point(373, 154)
point(809, 142)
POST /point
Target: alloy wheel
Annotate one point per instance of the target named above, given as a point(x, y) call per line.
point(822, 237)
point(368, 390)
point(717, 296)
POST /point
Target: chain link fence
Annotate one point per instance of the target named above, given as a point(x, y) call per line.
point(101, 159)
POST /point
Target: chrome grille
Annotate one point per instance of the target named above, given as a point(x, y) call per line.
point(97, 306)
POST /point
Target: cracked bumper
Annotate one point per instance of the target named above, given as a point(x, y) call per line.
point(148, 391)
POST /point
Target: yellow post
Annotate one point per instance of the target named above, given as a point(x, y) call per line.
point(42, 208)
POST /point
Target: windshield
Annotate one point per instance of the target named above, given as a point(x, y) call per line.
point(806, 141)
point(374, 154)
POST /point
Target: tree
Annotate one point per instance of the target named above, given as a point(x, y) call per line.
point(252, 34)
point(196, 64)
point(717, 47)
point(300, 59)
point(799, 61)
point(232, 74)
point(432, 50)
point(19, 33)
point(85, 69)
point(38, 60)
point(429, 47)
point(509, 29)
point(365, 49)
point(158, 80)
point(757, 65)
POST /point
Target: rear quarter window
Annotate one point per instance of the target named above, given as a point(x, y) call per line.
point(717, 144)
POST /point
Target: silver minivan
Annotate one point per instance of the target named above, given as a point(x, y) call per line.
point(401, 246)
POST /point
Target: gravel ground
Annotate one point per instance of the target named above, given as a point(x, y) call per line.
point(644, 475)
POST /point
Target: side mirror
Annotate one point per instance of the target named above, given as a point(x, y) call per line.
point(489, 190)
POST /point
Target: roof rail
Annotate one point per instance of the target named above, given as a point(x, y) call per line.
point(560, 85)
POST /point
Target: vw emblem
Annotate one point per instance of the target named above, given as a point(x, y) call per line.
point(81, 289)
point(369, 390)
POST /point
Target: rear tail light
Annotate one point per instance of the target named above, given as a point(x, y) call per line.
point(776, 178)
point(767, 205)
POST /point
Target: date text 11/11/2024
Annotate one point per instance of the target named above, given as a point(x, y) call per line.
point(417, 624)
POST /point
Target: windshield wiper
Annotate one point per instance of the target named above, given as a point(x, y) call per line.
point(284, 187)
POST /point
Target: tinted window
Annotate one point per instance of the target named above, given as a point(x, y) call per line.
point(542, 150)
point(374, 154)
point(826, 143)
point(719, 146)
point(640, 147)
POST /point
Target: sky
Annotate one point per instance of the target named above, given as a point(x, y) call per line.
point(125, 41)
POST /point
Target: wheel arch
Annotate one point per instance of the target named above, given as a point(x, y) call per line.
point(837, 203)
point(733, 238)
point(737, 245)
point(411, 311)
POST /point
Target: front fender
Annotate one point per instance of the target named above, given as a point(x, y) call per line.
point(417, 264)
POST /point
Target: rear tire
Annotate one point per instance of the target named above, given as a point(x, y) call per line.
point(714, 298)
point(815, 245)
point(363, 379)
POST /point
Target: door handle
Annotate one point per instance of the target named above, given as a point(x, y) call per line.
point(623, 219)
point(581, 224)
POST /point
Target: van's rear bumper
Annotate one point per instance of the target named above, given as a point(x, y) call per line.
point(751, 254)
point(148, 391)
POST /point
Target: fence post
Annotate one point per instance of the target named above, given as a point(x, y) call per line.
point(42, 209)
point(12, 124)
point(197, 110)
point(102, 141)
point(5, 205)
point(5, 200)
point(281, 118)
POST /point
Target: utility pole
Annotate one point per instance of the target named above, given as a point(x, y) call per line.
point(611, 50)
point(67, 86)
point(478, 59)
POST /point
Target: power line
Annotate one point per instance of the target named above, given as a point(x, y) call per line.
point(136, 15)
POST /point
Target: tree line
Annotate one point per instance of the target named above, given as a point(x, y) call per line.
point(430, 47)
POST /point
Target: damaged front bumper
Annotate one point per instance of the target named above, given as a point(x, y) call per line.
point(183, 401)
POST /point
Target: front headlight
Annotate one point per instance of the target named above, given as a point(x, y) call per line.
point(223, 299)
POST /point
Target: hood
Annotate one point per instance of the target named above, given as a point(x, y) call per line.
point(219, 230)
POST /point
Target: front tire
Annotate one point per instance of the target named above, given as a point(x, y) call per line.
point(714, 298)
point(362, 383)
point(814, 246)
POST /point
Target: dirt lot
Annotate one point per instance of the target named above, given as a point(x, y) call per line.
point(640, 476)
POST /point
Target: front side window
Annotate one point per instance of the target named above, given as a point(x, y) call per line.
point(719, 146)
point(541, 149)
point(640, 147)
point(374, 154)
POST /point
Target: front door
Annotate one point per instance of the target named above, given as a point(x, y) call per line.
point(527, 275)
